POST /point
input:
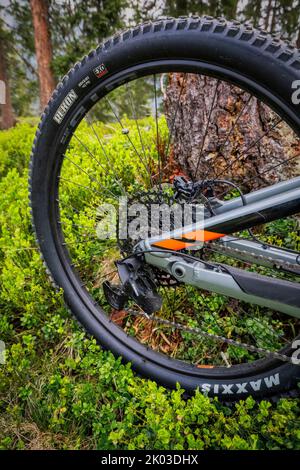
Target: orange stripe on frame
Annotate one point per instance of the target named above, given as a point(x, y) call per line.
point(172, 244)
point(203, 235)
point(197, 235)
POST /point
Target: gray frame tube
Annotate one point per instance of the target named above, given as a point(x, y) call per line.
point(197, 274)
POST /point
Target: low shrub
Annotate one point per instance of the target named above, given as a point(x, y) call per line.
point(60, 390)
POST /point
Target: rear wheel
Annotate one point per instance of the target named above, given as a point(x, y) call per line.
point(110, 131)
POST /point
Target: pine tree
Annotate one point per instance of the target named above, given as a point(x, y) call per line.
point(206, 110)
point(43, 48)
point(7, 114)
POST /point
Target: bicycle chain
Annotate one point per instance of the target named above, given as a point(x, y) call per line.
point(278, 263)
point(198, 331)
point(219, 338)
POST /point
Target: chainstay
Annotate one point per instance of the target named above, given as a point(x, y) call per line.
point(221, 339)
point(219, 248)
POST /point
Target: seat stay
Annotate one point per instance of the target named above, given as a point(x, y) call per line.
point(269, 292)
point(258, 195)
point(282, 204)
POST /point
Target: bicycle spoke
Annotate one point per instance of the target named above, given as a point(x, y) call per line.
point(157, 134)
point(207, 128)
point(253, 144)
point(80, 185)
point(172, 126)
point(126, 133)
point(109, 162)
point(91, 177)
point(249, 180)
point(233, 127)
point(139, 131)
point(183, 307)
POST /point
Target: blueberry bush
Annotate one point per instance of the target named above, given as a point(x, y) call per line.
point(60, 390)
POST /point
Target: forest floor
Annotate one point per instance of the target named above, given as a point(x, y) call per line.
point(60, 390)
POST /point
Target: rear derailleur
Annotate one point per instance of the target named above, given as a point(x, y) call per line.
point(137, 284)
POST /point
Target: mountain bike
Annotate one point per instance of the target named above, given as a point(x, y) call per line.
point(212, 305)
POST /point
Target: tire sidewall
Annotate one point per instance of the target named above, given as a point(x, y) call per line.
point(239, 57)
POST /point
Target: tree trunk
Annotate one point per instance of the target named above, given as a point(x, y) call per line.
point(220, 131)
point(43, 49)
point(268, 14)
point(7, 115)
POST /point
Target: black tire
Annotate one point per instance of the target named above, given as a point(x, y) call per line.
point(263, 64)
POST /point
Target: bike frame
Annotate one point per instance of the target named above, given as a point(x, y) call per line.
point(259, 207)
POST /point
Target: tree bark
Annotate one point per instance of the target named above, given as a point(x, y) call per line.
point(7, 114)
point(43, 49)
point(268, 13)
point(220, 131)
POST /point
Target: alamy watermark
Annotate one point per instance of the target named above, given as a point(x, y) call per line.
point(296, 353)
point(139, 221)
point(2, 92)
point(296, 93)
point(2, 352)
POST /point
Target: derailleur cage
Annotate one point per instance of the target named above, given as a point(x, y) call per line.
point(136, 284)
